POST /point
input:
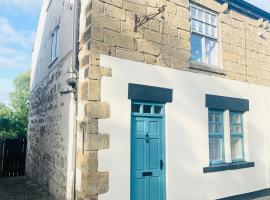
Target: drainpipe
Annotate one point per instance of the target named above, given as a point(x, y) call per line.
point(75, 70)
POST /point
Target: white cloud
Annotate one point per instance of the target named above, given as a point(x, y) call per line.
point(12, 58)
point(8, 35)
point(15, 46)
point(22, 5)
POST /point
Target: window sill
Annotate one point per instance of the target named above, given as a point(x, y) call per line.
point(53, 62)
point(228, 166)
point(206, 68)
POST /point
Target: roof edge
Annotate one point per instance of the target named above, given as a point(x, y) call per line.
point(246, 8)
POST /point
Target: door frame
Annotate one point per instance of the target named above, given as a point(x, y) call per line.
point(163, 139)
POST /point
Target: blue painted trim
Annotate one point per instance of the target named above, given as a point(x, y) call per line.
point(152, 104)
point(133, 116)
point(226, 103)
point(228, 166)
point(217, 135)
point(244, 7)
point(250, 195)
point(149, 93)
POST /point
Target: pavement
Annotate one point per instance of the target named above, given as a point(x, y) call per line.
point(21, 188)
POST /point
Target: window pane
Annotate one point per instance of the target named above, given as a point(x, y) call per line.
point(207, 30)
point(219, 128)
point(211, 129)
point(207, 18)
point(135, 108)
point(200, 30)
point(200, 14)
point(196, 48)
point(158, 110)
point(203, 22)
point(218, 117)
point(213, 20)
point(146, 109)
point(57, 43)
point(236, 129)
point(194, 25)
point(211, 54)
point(53, 46)
point(211, 117)
point(213, 32)
point(193, 12)
point(237, 148)
point(216, 149)
point(235, 118)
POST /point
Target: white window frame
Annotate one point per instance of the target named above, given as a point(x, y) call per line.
point(204, 36)
point(55, 44)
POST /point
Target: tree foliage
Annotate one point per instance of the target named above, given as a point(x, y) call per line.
point(14, 117)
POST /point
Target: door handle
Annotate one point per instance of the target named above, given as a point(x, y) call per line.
point(161, 164)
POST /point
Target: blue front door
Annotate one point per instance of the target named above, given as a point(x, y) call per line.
point(148, 156)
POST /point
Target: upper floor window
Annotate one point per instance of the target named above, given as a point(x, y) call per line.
point(204, 36)
point(55, 44)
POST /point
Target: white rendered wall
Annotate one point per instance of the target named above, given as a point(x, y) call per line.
point(186, 132)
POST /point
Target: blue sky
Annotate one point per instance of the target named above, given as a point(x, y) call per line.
point(18, 22)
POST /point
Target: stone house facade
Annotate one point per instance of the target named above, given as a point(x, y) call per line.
point(176, 105)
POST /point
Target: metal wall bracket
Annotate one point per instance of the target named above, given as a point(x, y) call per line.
point(139, 21)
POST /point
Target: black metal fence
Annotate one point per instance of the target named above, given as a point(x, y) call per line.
point(12, 157)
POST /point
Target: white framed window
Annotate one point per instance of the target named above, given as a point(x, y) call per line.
point(204, 36)
point(222, 123)
point(55, 44)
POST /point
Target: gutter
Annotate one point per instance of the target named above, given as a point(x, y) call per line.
point(247, 8)
point(75, 70)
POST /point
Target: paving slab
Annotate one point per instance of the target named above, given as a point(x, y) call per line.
point(21, 188)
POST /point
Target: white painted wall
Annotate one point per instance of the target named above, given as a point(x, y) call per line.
point(186, 132)
point(58, 13)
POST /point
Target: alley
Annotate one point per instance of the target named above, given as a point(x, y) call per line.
point(20, 188)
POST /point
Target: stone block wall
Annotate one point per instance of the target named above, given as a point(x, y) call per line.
point(47, 151)
point(108, 28)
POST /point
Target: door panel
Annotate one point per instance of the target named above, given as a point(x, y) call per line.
point(147, 152)
point(139, 156)
point(155, 157)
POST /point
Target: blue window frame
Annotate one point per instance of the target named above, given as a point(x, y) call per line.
point(147, 109)
point(236, 136)
point(216, 136)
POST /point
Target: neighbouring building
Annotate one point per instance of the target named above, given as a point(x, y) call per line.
point(150, 100)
